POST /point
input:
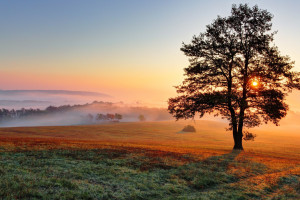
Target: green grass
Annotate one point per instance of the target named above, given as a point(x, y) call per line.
point(121, 174)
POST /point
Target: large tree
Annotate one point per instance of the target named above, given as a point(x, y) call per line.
point(237, 72)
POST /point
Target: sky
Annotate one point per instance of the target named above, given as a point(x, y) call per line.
point(129, 49)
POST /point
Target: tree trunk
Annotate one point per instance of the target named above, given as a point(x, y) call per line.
point(238, 137)
point(238, 140)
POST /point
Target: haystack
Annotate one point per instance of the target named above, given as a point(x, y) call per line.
point(189, 128)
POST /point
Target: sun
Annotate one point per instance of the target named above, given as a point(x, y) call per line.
point(254, 83)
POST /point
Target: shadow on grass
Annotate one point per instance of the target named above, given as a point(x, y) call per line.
point(225, 159)
point(209, 172)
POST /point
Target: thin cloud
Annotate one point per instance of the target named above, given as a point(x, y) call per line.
point(52, 92)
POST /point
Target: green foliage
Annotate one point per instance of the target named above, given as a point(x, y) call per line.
point(119, 174)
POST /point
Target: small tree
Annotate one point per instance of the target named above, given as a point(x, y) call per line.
point(110, 116)
point(118, 116)
point(236, 71)
point(100, 117)
point(142, 118)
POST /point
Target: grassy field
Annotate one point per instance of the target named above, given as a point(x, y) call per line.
point(149, 160)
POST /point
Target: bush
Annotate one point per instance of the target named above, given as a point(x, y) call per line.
point(249, 136)
point(142, 118)
point(189, 128)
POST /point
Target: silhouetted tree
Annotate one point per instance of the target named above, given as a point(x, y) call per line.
point(236, 71)
point(142, 118)
point(118, 116)
point(110, 116)
point(101, 117)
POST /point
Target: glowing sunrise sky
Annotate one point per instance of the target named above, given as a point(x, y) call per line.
point(127, 49)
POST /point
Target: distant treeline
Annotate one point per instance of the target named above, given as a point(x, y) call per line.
point(102, 117)
point(89, 113)
point(6, 114)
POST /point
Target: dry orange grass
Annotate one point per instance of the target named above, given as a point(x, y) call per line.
point(279, 151)
point(210, 137)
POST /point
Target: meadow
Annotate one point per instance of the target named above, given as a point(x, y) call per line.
point(147, 160)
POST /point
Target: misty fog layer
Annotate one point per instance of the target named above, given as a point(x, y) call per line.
point(83, 114)
point(18, 99)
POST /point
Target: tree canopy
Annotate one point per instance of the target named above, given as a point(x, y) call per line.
point(236, 71)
